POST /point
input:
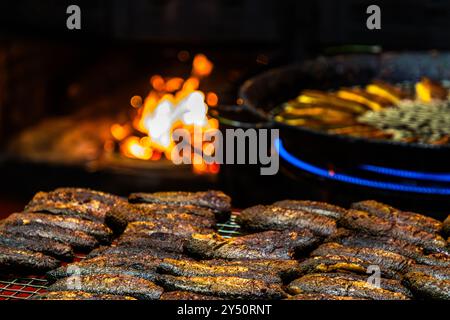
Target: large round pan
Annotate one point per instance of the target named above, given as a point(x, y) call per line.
point(264, 92)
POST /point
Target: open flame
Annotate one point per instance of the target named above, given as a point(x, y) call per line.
point(171, 103)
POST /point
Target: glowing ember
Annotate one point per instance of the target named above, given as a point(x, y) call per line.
point(172, 103)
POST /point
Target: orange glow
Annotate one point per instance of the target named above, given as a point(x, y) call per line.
point(201, 66)
point(120, 132)
point(212, 99)
point(132, 148)
point(157, 83)
point(171, 103)
point(136, 101)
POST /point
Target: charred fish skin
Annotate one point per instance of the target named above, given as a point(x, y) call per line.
point(218, 201)
point(185, 295)
point(225, 287)
point(321, 296)
point(140, 266)
point(76, 202)
point(446, 227)
point(78, 295)
point(172, 226)
point(122, 285)
point(315, 207)
point(132, 251)
point(287, 270)
point(342, 285)
point(36, 244)
point(332, 264)
point(352, 239)
point(187, 268)
point(390, 213)
point(119, 216)
point(362, 221)
point(77, 239)
point(429, 282)
point(98, 230)
point(17, 261)
point(263, 245)
point(162, 241)
point(390, 263)
point(277, 218)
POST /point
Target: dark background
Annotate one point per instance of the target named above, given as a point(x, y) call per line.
point(47, 70)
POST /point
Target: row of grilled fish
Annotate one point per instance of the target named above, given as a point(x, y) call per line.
point(163, 233)
point(154, 228)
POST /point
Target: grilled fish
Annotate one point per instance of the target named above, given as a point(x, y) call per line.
point(352, 239)
point(98, 230)
point(285, 269)
point(400, 217)
point(130, 251)
point(78, 295)
point(225, 287)
point(321, 296)
point(446, 226)
point(184, 295)
point(333, 263)
point(173, 225)
point(119, 216)
point(320, 208)
point(348, 285)
point(141, 266)
point(429, 282)
point(276, 218)
point(368, 224)
point(187, 268)
point(122, 285)
point(44, 245)
point(76, 239)
point(74, 202)
point(219, 202)
point(160, 241)
point(390, 263)
point(23, 261)
point(263, 245)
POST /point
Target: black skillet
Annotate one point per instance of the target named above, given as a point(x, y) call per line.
point(266, 91)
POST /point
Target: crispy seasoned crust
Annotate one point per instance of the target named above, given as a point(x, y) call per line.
point(119, 216)
point(203, 268)
point(75, 202)
point(141, 266)
point(37, 244)
point(78, 295)
point(76, 239)
point(390, 263)
point(384, 211)
point(277, 218)
point(429, 282)
point(263, 245)
point(218, 201)
point(285, 269)
point(173, 225)
point(366, 223)
point(161, 241)
point(225, 287)
point(185, 295)
point(23, 261)
point(321, 296)
point(131, 251)
point(320, 208)
point(98, 230)
point(349, 285)
point(362, 240)
point(446, 227)
point(122, 285)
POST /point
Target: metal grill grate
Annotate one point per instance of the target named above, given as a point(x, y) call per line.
point(27, 287)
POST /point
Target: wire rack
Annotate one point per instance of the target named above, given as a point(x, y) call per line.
point(27, 287)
